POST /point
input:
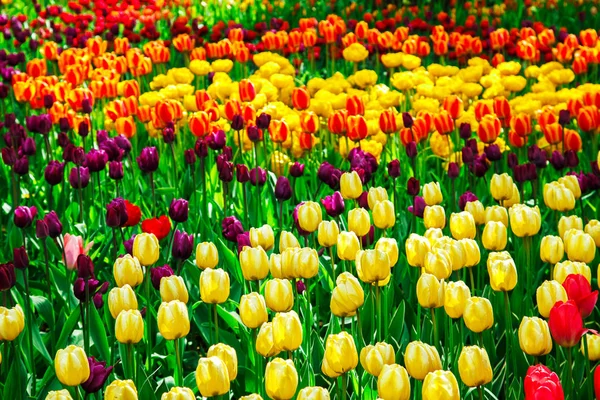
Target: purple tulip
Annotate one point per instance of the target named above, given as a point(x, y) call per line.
point(21, 166)
point(453, 170)
point(112, 150)
point(183, 245)
point(179, 210)
point(7, 276)
point(334, 204)
point(413, 186)
point(20, 257)
point(79, 180)
point(418, 208)
point(99, 372)
point(157, 273)
point(258, 176)
point(237, 122)
point(242, 174)
point(85, 267)
point(283, 189)
point(297, 170)
point(263, 121)
point(128, 245)
point(96, 160)
point(369, 238)
point(564, 117)
point(123, 143)
point(9, 156)
point(393, 168)
point(465, 198)
point(190, 156)
point(41, 229)
point(201, 148)
point(54, 225)
point(571, 159)
point(217, 140)
point(492, 152)
point(465, 131)
point(148, 160)
point(115, 170)
point(557, 160)
point(243, 240)
point(253, 133)
point(24, 216)
point(230, 228)
point(116, 213)
point(411, 149)
point(28, 147)
point(407, 120)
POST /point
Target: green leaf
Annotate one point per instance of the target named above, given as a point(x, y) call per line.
point(67, 329)
point(38, 343)
point(44, 308)
point(16, 380)
point(98, 333)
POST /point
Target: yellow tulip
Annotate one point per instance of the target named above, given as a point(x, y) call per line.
point(566, 223)
point(340, 353)
point(263, 237)
point(552, 249)
point(59, 395)
point(173, 320)
point(558, 197)
point(494, 236)
point(207, 255)
point(475, 208)
point(356, 52)
point(474, 366)
point(173, 288)
point(254, 263)
point(179, 393)
point(534, 336)
point(313, 393)
point(310, 216)
point(127, 271)
point(503, 275)
point(121, 299)
point(472, 253)
point(430, 291)
point(433, 235)
point(373, 358)
point(592, 228)
point(306, 261)
point(121, 390)
point(12, 322)
point(275, 265)
point(71, 366)
point(416, 248)
point(384, 216)
point(347, 246)
point(146, 248)
point(281, 379)
point(478, 314)
point(279, 295)
point(214, 286)
point(547, 294)
point(432, 193)
point(253, 310)
point(496, 213)
point(579, 246)
point(390, 247)
point(593, 343)
point(456, 295)
point(376, 195)
point(347, 296)
point(420, 359)
point(287, 331)
point(515, 199)
point(456, 250)
point(252, 396)
point(328, 232)
point(212, 377)
point(287, 239)
point(228, 355)
point(524, 220)
point(265, 345)
point(440, 385)
point(438, 263)
point(359, 221)
point(501, 187)
point(393, 383)
point(566, 268)
point(434, 217)
point(462, 225)
point(351, 185)
point(129, 327)
point(572, 183)
point(372, 266)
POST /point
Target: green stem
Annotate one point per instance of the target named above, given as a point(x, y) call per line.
point(148, 320)
point(472, 280)
point(153, 193)
point(216, 318)
point(590, 380)
point(332, 264)
point(179, 381)
point(509, 337)
point(569, 385)
point(30, 329)
point(344, 385)
point(480, 389)
point(435, 329)
point(378, 302)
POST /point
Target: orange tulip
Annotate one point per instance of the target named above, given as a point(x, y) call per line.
point(36, 67)
point(443, 123)
point(385, 40)
point(300, 98)
point(387, 122)
point(521, 124)
point(526, 50)
point(499, 38)
point(361, 30)
point(572, 140)
point(502, 110)
point(349, 39)
point(357, 127)
point(454, 106)
point(580, 66)
point(183, 43)
point(327, 30)
point(407, 135)
point(96, 46)
point(125, 126)
point(497, 59)
point(563, 53)
point(242, 54)
point(482, 109)
point(295, 39)
point(516, 140)
point(236, 35)
point(588, 118)
point(440, 47)
point(306, 140)
point(423, 48)
point(588, 37)
point(592, 99)
point(489, 129)
point(546, 118)
point(249, 113)
point(199, 53)
point(165, 111)
point(278, 130)
point(50, 51)
point(247, 91)
point(24, 91)
point(546, 37)
point(232, 108)
point(199, 124)
point(202, 97)
point(121, 45)
point(553, 133)
point(355, 106)
point(76, 97)
point(337, 122)
point(309, 122)
point(144, 113)
point(130, 88)
point(307, 23)
point(574, 105)
point(309, 38)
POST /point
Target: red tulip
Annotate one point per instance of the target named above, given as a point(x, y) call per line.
point(542, 384)
point(357, 128)
point(580, 291)
point(300, 98)
point(597, 382)
point(134, 214)
point(566, 324)
point(160, 226)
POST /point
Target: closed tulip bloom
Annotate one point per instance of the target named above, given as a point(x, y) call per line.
point(393, 383)
point(552, 249)
point(121, 390)
point(254, 263)
point(462, 225)
point(253, 310)
point(496, 213)
point(340, 353)
point(432, 193)
point(129, 327)
point(420, 359)
point(287, 240)
point(207, 255)
point(173, 320)
point(478, 314)
point(309, 216)
point(173, 288)
point(430, 291)
point(547, 294)
point(372, 266)
point(59, 395)
point(347, 296)
point(501, 187)
point(580, 246)
point(384, 216)
point(287, 331)
point(281, 379)
point(440, 385)
point(262, 237)
point(375, 195)
point(524, 220)
point(359, 221)
point(457, 251)
point(328, 232)
point(433, 235)
point(313, 393)
point(572, 183)
point(306, 260)
point(374, 358)
point(128, 271)
point(121, 299)
point(434, 217)
point(475, 208)
point(503, 275)
point(494, 236)
point(438, 263)
point(566, 268)
point(566, 324)
point(212, 377)
point(566, 223)
point(146, 248)
point(593, 342)
point(228, 355)
point(279, 295)
point(347, 246)
point(390, 247)
point(214, 286)
point(350, 185)
point(592, 228)
point(472, 252)
point(456, 295)
point(12, 322)
point(416, 247)
point(252, 396)
point(534, 336)
point(288, 266)
point(265, 344)
point(178, 393)
point(474, 366)
point(275, 265)
point(558, 197)
point(71, 365)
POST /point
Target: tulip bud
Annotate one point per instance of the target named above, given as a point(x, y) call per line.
point(70, 364)
point(434, 217)
point(494, 236)
point(456, 295)
point(129, 327)
point(20, 260)
point(347, 296)
point(328, 232)
point(287, 331)
point(265, 342)
point(128, 271)
point(121, 389)
point(438, 382)
point(334, 204)
point(283, 189)
point(478, 314)
point(430, 291)
point(393, 383)
point(593, 344)
point(350, 185)
point(534, 336)
point(340, 354)
point(416, 248)
point(24, 216)
point(254, 263)
point(253, 310)
point(524, 220)
point(183, 245)
point(384, 215)
point(146, 248)
point(214, 286)
point(432, 193)
point(421, 359)
point(228, 355)
point(411, 149)
point(262, 237)
point(212, 377)
point(148, 160)
point(503, 275)
point(281, 379)
point(474, 366)
point(207, 255)
point(173, 288)
point(173, 320)
point(178, 210)
point(313, 393)
point(157, 273)
point(347, 246)
point(59, 395)
point(279, 295)
point(390, 247)
point(566, 324)
point(179, 393)
point(121, 299)
point(309, 216)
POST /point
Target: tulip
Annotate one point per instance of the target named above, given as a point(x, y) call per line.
point(372, 266)
point(433, 235)
point(462, 225)
point(384, 216)
point(253, 310)
point(254, 263)
point(278, 295)
point(438, 263)
point(440, 385)
point(252, 396)
point(313, 393)
point(478, 314)
point(173, 288)
point(558, 197)
point(551, 249)
point(578, 289)
point(416, 249)
point(146, 248)
point(340, 354)
point(351, 185)
point(501, 187)
point(287, 331)
point(212, 377)
point(306, 261)
point(472, 255)
point(566, 223)
point(121, 390)
point(393, 383)
point(474, 366)
point(121, 299)
point(157, 273)
point(390, 247)
point(540, 381)
point(456, 295)
point(70, 365)
point(434, 217)
point(309, 216)
point(263, 237)
point(579, 246)
point(430, 291)
point(281, 379)
point(347, 246)
point(265, 345)
point(173, 320)
point(496, 213)
point(566, 323)
point(593, 343)
point(503, 275)
point(12, 322)
point(525, 221)
point(494, 236)
point(566, 268)
point(287, 239)
point(421, 359)
point(432, 193)
point(228, 355)
point(534, 336)
point(59, 395)
point(347, 296)
point(572, 183)
point(128, 271)
point(207, 255)
point(477, 211)
point(547, 295)
point(359, 221)
point(328, 232)
point(129, 327)
point(374, 358)
point(179, 393)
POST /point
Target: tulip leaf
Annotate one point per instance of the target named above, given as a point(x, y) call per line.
point(44, 308)
point(67, 328)
point(17, 376)
point(38, 343)
point(98, 334)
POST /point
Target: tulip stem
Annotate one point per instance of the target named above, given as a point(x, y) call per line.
point(216, 317)
point(590, 379)
point(153, 193)
point(31, 323)
point(148, 320)
point(378, 302)
point(170, 248)
point(480, 389)
point(509, 333)
point(49, 287)
point(472, 279)
point(435, 329)
point(344, 386)
point(332, 264)
point(569, 385)
point(179, 380)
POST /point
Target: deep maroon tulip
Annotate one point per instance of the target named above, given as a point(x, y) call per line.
point(571, 159)
point(253, 133)
point(98, 300)
point(96, 160)
point(537, 156)
point(479, 166)
point(201, 148)
point(116, 213)
point(54, 225)
point(20, 257)
point(7, 276)
point(230, 228)
point(465, 198)
point(83, 129)
point(123, 143)
point(86, 106)
point(183, 244)
point(394, 168)
point(217, 140)
point(465, 131)
point(418, 208)
point(283, 189)
point(369, 238)
point(112, 150)
point(241, 173)
point(99, 372)
point(512, 160)
point(324, 172)
point(63, 124)
point(411, 149)
point(227, 152)
point(28, 147)
point(48, 100)
point(168, 135)
point(179, 210)
point(407, 120)
point(492, 152)
point(243, 240)
point(41, 229)
point(101, 136)
point(225, 171)
point(580, 291)
point(115, 170)
point(44, 124)
point(157, 273)
point(520, 173)
point(334, 179)
point(148, 160)
point(297, 170)
point(300, 286)
point(62, 140)
point(79, 288)
point(76, 155)
point(24, 216)
point(363, 200)
point(128, 245)
point(21, 166)
point(9, 157)
point(467, 155)
point(237, 123)
point(79, 180)
point(413, 186)
point(263, 121)
point(334, 204)
point(190, 156)
point(564, 117)
point(258, 176)
point(85, 267)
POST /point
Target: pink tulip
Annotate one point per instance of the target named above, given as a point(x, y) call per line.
point(73, 248)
